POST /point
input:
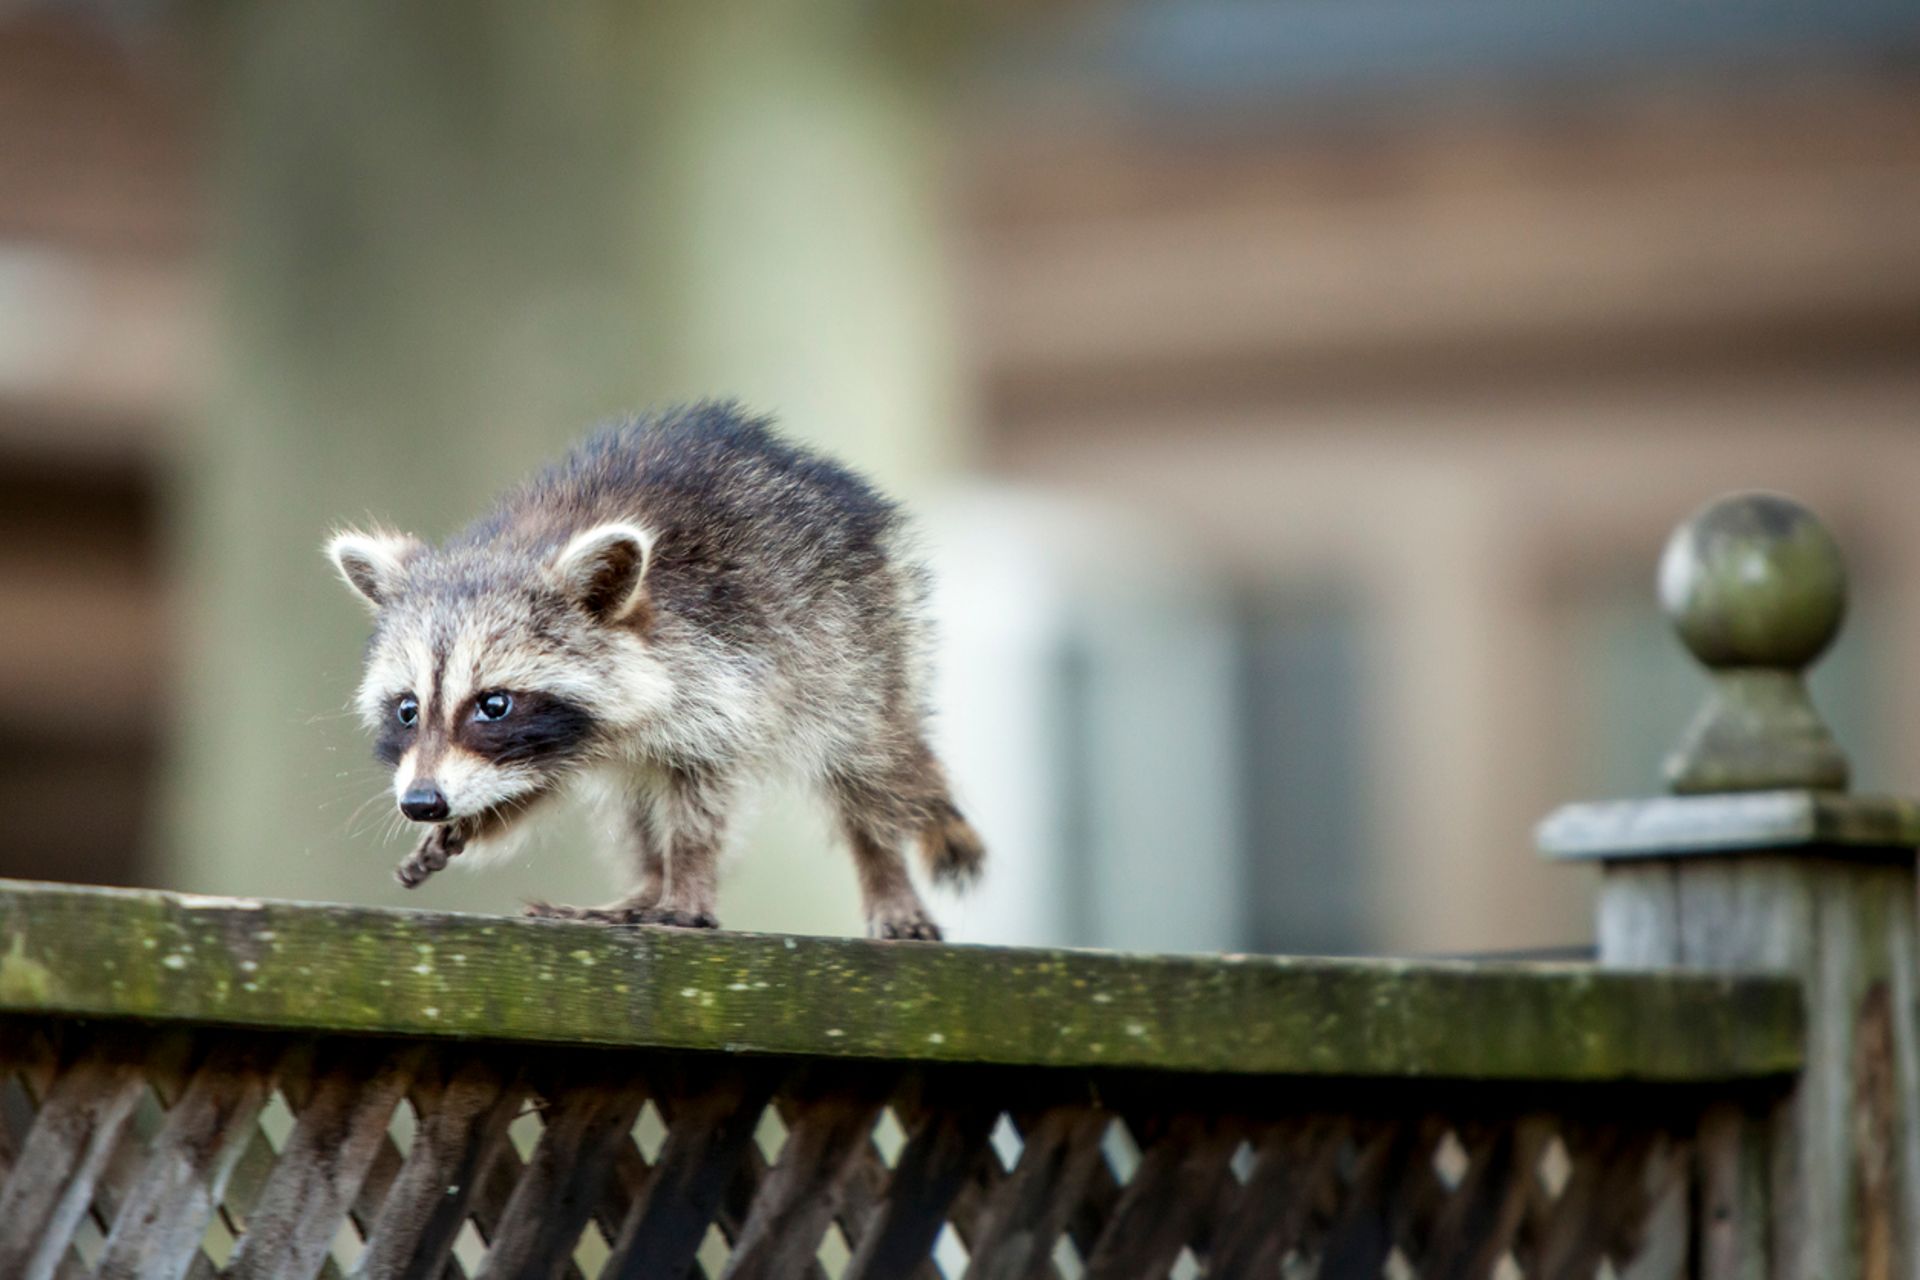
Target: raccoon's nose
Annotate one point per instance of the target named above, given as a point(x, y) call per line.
point(424, 803)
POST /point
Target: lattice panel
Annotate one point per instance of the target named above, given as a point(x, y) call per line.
point(140, 1153)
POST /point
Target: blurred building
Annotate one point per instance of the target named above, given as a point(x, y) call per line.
point(1418, 327)
point(1297, 395)
point(101, 351)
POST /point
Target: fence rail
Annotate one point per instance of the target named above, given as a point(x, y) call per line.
point(809, 1106)
point(91, 952)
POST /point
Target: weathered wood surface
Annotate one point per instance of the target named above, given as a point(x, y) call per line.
point(1841, 1160)
point(465, 1110)
point(158, 1231)
point(290, 1227)
point(1166, 1199)
point(584, 1120)
point(101, 952)
point(72, 1139)
point(1265, 1220)
point(711, 1129)
point(1027, 1212)
point(1125, 1175)
point(945, 1142)
point(1834, 822)
point(1782, 873)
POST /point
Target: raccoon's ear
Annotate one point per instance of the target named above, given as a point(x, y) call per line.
point(605, 569)
point(371, 563)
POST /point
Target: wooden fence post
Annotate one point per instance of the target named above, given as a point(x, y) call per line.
point(1761, 859)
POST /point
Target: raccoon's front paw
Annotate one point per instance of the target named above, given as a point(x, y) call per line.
point(430, 855)
point(915, 927)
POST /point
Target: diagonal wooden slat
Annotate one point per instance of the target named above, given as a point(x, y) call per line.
point(861, 1194)
point(168, 1070)
point(1028, 1211)
point(387, 1157)
point(1650, 1226)
point(1106, 1183)
point(1101, 1196)
point(1536, 1214)
point(709, 1134)
point(462, 1128)
point(495, 1187)
point(256, 1161)
point(560, 1186)
point(16, 1117)
point(1423, 1195)
point(948, 1137)
point(28, 1061)
point(969, 1205)
point(157, 1233)
point(625, 1187)
point(1265, 1218)
point(1393, 1163)
point(1478, 1224)
point(163, 1068)
point(31, 1050)
point(1091, 1209)
point(318, 1174)
point(736, 1202)
point(828, 1129)
point(73, 1136)
point(1098, 1185)
point(1570, 1240)
point(1177, 1181)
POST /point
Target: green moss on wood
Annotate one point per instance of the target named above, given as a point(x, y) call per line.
point(82, 951)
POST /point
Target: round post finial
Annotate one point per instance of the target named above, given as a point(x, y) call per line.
point(1755, 586)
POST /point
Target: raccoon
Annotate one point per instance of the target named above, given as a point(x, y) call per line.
point(684, 608)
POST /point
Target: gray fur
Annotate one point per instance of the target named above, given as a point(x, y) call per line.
point(684, 607)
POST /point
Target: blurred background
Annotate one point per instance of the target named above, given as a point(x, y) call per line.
point(1294, 398)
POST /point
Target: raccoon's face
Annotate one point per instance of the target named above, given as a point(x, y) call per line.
point(491, 675)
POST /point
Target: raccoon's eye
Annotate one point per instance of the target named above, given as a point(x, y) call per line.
point(492, 706)
point(407, 710)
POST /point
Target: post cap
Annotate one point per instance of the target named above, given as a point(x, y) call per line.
point(1754, 585)
point(1754, 580)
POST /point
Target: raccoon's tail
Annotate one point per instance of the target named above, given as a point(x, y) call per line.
point(951, 849)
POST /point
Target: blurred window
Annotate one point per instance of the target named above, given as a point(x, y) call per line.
point(1302, 762)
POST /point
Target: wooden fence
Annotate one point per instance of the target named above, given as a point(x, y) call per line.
point(200, 1087)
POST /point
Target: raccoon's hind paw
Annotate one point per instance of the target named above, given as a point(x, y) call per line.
point(430, 855)
point(672, 918)
point(916, 928)
point(952, 850)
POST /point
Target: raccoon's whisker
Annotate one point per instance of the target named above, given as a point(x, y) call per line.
point(355, 832)
point(352, 776)
point(373, 824)
point(517, 804)
point(350, 789)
